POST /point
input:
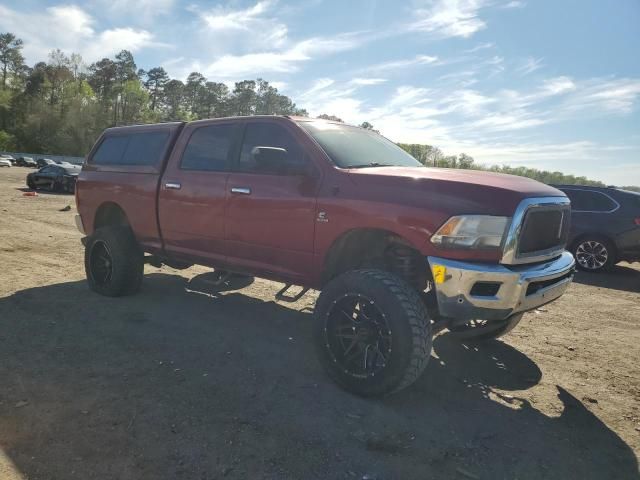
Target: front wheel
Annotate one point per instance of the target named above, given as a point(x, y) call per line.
point(372, 332)
point(113, 262)
point(594, 254)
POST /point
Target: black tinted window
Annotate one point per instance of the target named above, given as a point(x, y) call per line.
point(269, 135)
point(111, 150)
point(145, 148)
point(589, 201)
point(208, 148)
point(141, 148)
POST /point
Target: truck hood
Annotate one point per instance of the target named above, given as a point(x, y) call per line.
point(453, 191)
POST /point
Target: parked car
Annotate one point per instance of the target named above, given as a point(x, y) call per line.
point(56, 178)
point(26, 162)
point(5, 162)
point(43, 162)
point(391, 245)
point(10, 158)
point(605, 226)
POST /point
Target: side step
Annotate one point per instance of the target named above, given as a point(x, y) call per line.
point(290, 298)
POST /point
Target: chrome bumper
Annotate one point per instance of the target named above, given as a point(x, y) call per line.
point(79, 224)
point(519, 287)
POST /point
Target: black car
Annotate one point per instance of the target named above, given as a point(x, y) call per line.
point(26, 162)
point(605, 226)
point(55, 178)
point(43, 162)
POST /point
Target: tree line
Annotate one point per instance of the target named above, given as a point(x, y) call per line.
point(61, 106)
point(433, 157)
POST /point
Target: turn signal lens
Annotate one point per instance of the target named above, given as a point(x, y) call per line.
point(637, 221)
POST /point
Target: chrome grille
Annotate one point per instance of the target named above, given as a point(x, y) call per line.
point(539, 230)
point(543, 230)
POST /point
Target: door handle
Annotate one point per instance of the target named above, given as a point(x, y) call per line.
point(241, 190)
point(172, 185)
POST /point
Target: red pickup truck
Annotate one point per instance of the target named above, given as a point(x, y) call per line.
point(399, 251)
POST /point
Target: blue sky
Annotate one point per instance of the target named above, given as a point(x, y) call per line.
point(547, 84)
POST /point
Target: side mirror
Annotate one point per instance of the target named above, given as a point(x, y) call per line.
point(276, 160)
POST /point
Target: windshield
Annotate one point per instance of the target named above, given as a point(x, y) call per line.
point(353, 147)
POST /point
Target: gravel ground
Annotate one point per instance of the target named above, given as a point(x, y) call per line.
point(181, 381)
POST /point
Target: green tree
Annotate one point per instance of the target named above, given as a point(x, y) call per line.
point(7, 141)
point(333, 118)
point(11, 59)
point(157, 78)
point(174, 91)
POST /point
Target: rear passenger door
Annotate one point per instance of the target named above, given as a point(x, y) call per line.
point(193, 192)
point(271, 214)
point(592, 212)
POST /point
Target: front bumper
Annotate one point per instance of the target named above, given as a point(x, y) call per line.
point(504, 290)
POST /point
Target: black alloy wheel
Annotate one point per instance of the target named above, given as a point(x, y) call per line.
point(357, 336)
point(101, 263)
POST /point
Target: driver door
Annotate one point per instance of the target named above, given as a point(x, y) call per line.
point(270, 221)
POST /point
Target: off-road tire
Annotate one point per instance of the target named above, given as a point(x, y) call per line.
point(490, 331)
point(127, 261)
point(406, 317)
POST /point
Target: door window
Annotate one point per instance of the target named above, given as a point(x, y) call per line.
point(590, 201)
point(270, 135)
point(135, 148)
point(208, 148)
point(110, 150)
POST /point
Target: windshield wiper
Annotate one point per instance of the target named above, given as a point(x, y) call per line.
point(372, 164)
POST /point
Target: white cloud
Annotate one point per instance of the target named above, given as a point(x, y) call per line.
point(482, 46)
point(467, 102)
point(611, 95)
point(449, 18)
point(279, 85)
point(251, 28)
point(557, 86)
point(145, 10)
point(280, 61)
point(221, 19)
point(368, 81)
point(404, 63)
point(320, 84)
point(70, 29)
point(515, 4)
point(508, 121)
point(407, 95)
point(530, 65)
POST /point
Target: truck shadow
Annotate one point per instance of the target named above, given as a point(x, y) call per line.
point(620, 277)
point(178, 382)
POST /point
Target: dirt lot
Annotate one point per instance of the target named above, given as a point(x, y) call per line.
point(184, 382)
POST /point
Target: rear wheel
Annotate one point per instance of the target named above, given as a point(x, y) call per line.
point(594, 254)
point(114, 264)
point(481, 330)
point(372, 332)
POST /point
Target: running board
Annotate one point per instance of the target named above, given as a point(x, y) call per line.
point(290, 299)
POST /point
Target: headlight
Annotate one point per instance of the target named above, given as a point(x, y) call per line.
point(472, 232)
